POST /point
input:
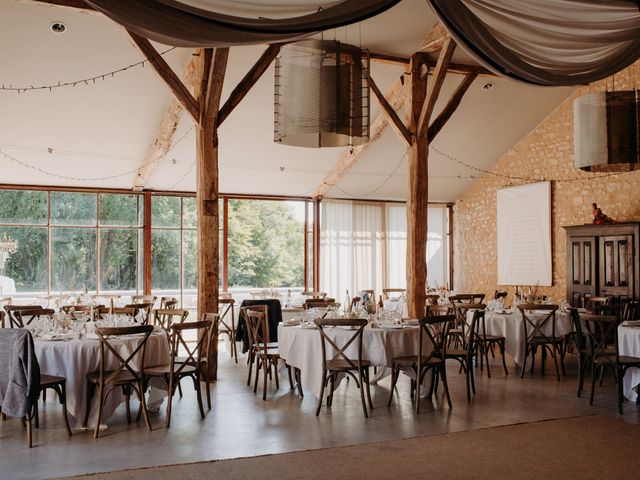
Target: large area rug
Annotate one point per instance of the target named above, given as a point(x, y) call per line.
point(591, 447)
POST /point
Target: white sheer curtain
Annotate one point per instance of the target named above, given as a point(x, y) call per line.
point(363, 246)
point(351, 247)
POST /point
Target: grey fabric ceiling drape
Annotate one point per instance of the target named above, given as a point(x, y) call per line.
point(546, 42)
point(178, 24)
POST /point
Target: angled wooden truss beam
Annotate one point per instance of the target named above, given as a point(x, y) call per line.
point(248, 81)
point(165, 72)
point(392, 117)
point(450, 107)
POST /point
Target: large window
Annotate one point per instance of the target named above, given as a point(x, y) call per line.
point(70, 241)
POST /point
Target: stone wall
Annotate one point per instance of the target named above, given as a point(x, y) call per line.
point(545, 153)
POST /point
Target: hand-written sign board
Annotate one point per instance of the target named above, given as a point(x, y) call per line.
point(524, 235)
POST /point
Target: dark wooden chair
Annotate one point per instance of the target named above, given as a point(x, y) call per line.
point(190, 366)
point(435, 329)
point(316, 303)
point(459, 304)
point(74, 310)
point(388, 293)
point(470, 350)
point(144, 299)
point(431, 299)
point(165, 318)
point(601, 330)
point(142, 308)
point(226, 312)
point(486, 344)
point(535, 338)
point(127, 375)
point(262, 353)
point(168, 302)
point(101, 311)
point(498, 294)
point(631, 310)
point(22, 315)
point(580, 340)
point(340, 363)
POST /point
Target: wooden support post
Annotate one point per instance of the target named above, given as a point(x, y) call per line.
point(211, 76)
point(418, 199)
point(146, 239)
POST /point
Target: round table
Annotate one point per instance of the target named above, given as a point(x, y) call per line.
point(629, 344)
point(301, 348)
point(73, 359)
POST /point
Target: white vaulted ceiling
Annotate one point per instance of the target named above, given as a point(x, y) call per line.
point(96, 134)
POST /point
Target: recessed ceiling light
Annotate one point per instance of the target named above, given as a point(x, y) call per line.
point(487, 86)
point(58, 27)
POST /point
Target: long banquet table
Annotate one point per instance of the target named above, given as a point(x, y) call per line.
point(301, 347)
point(73, 359)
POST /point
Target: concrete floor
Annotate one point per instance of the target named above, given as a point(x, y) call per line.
point(241, 424)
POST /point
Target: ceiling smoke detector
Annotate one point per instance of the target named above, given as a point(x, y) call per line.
point(58, 27)
point(487, 87)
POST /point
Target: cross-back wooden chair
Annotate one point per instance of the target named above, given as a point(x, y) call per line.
point(74, 310)
point(144, 299)
point(264, 354)
point(324, 303)
point(470, 349)
point(435, 330)
point(17, 320)
point(582, 346)
point(143, 309)
point(601, 331)
point(128, 373)
point(388, 293)
point(431, 299)
point(185, 366)
point(318, 295)
point(23, 317)
point(534, 336)
point(101, 311)
point(226, 311)
point(460, 304)
point(631, 310)
point(165, 318)
point(486, 342)
point(168, 302)
point(340, 363)
point(500, 294)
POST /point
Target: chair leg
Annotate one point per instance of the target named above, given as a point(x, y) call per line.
point(593, 381)
point(266, 370)
point(332, 388)
point(63, 402)
point(443, 374)
point(143, 401)
point(524, 360)
point(368, 389)
point(486, 359)
point(364, 405)
point(170, 392)
point(250, 361)
point(208, 386)
point(91, 389)
point(395, 373)
point(324, 381)
point(179, 389)
point(619, 379)
point(101, 398)
point(581, 361)
point(127, 396)
point(198, 387)
point(255, 382)
point(554, 354)
point(502, 353)
point(275, 373)
point(298, 376)
point(29, 431)
point(291, 387)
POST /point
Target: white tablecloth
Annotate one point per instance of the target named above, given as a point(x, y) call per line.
point(301, 348)
point(73, 359)
point(629, 342)
point(511, 327)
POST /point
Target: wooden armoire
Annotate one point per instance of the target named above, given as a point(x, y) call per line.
point(602, 261)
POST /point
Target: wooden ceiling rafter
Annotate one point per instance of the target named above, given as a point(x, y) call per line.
point(249, 80)
point(392, 117)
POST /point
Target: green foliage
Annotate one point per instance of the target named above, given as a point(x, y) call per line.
point(23, 206)
point(73, 208)
point(266, 245)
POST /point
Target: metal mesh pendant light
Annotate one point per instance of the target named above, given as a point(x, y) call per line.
point(321, 94)
point(606, 131)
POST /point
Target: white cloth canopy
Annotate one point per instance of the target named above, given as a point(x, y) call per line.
point(546, 42)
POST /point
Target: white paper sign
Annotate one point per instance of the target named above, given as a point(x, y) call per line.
point(524, 235)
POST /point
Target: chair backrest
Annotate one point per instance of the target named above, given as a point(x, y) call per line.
point(100, 311)
point(534, 324)
point(460, 308)
point(431, 299)
point(192, 356)
point(319, 295)
point(436, 329)
point(226, 313)
point(602, 331)
point(467, 298)
point(339, 349)
point(73, 310)
point(225, 295)
point(438, 310)
point(168, 302)
point(368, 293)
point(500, 294)
point(131, 362)
point(256, 319)
point(22, 315)
point(144, 299)
point(631, 310)
point(213, 334)
point(580, 330)
point(168, 317)
point(142, 308)
point(315, 303)
point(388, 293)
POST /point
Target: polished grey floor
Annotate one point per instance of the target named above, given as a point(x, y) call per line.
point(241, 424)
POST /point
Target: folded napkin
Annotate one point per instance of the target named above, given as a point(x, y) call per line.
point(631, 323)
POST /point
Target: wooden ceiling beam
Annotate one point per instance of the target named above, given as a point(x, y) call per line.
point(390, 113)
point(165, 72)
point(248, 81)
point(450, 107)
point(166, 130)
point(435, 39)
point(439, 75)
point(214, 87)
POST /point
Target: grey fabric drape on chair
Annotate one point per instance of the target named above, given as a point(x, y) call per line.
point(182, 25)
point(546, 42)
